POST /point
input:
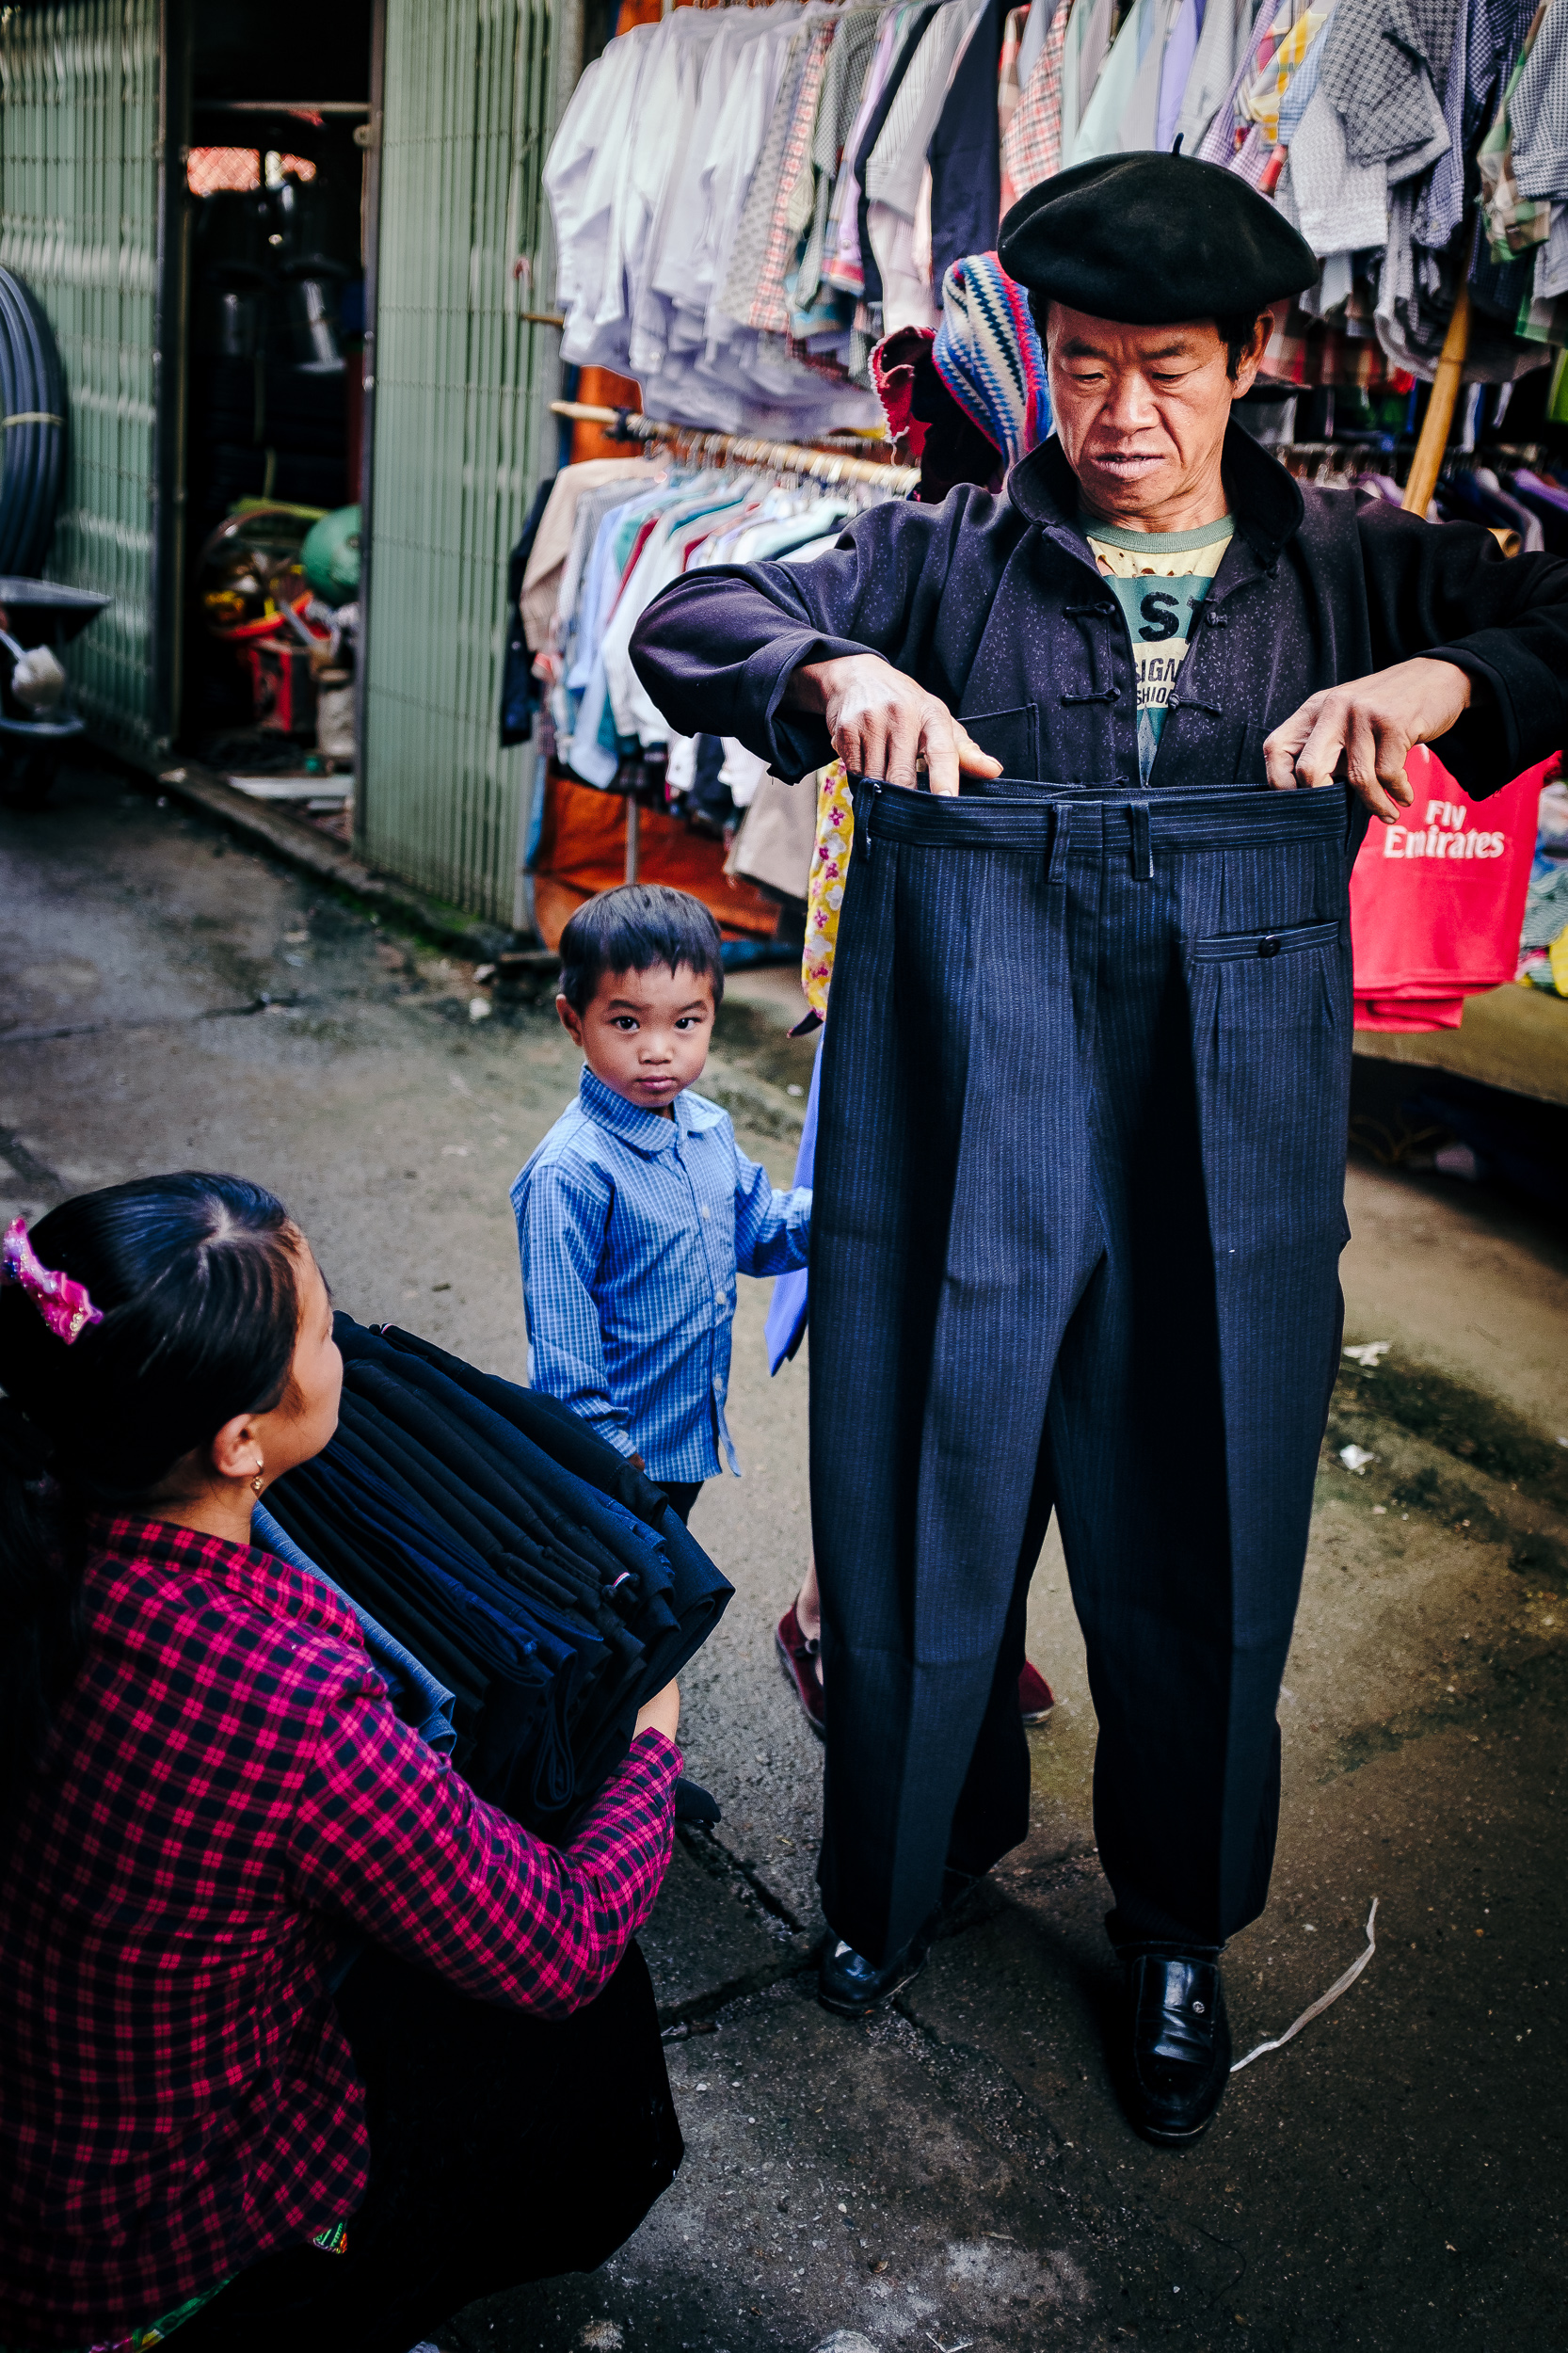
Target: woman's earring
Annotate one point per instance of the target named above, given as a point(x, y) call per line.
point(258, 1482)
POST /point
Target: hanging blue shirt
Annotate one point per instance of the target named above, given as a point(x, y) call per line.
point(633, 1228)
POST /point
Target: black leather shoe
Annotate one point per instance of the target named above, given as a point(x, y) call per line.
point(847, 1983)
point(1179, 2059)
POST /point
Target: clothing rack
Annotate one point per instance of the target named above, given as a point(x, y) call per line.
point(1324, 460)
point(743, 449)
point(1327, 458)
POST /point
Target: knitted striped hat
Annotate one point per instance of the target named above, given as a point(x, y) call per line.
point(988, 355)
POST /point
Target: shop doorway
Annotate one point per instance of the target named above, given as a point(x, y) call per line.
point(280, 178)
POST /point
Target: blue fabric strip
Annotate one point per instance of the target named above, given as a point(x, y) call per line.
point(415, 1694)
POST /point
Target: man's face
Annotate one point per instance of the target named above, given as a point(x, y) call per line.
point(1140, 411)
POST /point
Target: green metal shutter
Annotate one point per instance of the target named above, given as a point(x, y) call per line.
point(462, 384)
point(78, 220)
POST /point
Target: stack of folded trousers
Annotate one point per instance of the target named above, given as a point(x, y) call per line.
point(418, 1697)
point(532, 1579)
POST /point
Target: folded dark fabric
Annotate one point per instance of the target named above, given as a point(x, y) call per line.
point(520, 1679)
point(535, 1574)
point(418, 1696)
point(697, 1594)
point(366, 1562)
point(592, 1523)
point(411, 1470)
point(553, 1427)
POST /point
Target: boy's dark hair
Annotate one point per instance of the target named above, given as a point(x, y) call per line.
point(633, 929)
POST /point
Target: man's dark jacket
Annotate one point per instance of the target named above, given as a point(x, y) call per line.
point(995, 604)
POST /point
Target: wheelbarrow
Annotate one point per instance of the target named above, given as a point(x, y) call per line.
point(36, 724)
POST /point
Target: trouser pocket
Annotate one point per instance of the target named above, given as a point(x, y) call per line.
point(1286, 940)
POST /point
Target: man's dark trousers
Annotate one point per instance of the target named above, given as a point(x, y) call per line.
point(1077, 1215)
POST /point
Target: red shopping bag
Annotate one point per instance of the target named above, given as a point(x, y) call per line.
point(1437, 900)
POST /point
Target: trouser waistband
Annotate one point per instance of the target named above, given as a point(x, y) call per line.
point(1055, 821)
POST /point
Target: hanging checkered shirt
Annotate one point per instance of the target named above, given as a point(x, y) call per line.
point(224, 1780)
point(631, 1227)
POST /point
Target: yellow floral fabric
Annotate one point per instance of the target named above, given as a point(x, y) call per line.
point(825, 889)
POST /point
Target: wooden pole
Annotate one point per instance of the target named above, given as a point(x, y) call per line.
point(1426, 464)
point(633, 838)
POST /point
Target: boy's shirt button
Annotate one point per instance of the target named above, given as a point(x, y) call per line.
point(706, 1211)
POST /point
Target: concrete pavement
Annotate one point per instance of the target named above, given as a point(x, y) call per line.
point(958, 2171)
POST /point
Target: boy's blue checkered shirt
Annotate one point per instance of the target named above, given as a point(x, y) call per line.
point(631, 1229)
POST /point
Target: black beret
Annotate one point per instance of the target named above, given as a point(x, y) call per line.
point(1150, 240)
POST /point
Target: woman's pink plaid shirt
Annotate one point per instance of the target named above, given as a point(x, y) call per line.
point(226, 1787)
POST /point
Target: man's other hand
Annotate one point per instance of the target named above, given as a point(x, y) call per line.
point(880, 723)
point(1363, 729)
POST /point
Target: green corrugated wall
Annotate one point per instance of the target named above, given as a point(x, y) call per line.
point(78, 168)
point(461, 405)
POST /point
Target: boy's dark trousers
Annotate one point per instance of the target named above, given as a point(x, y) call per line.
point(1079, 1209)
point(683, 1493)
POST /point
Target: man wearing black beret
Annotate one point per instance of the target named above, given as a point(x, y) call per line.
point(1080, 1179)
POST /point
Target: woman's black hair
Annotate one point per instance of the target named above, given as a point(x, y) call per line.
point(196, 1278)
point(631, 930)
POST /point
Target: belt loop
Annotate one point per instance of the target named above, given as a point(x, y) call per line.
point(1138, 840)
point(1060, 842)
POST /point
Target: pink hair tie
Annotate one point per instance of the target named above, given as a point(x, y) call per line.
point(63, 1303)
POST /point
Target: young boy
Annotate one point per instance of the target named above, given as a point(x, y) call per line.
point(638, 1207)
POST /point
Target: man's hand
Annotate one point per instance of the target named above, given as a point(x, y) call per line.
point(1362, 732)
point(881, 720)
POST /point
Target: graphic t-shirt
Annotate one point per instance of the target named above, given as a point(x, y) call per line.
point(1159, 578)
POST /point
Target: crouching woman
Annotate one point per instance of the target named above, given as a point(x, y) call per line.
point(210, 2124)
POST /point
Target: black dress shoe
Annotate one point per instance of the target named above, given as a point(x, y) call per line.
point(848, 1984)
point(1180, 2059)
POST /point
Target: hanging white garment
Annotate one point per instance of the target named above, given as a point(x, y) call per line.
point(662, 560)
point(1227, 32)
point(1551, 260)
point(1083, 53)
point(1121, 114)
point(743, 772)
point(776, 843)
point(542, 575)
point(590, 276)
point(1340, 207)
point(1032, 41)
point(691, 34)
point(896, 165)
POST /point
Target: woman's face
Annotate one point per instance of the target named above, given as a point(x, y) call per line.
point(301, 1423)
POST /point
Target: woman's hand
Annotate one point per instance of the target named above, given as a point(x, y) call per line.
point(662, 1713)
point(882, 723)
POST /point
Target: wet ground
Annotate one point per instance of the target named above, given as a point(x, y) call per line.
point(956, 2173)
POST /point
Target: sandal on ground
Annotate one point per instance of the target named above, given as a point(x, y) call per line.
point(799, 1657)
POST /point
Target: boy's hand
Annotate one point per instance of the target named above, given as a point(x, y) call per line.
point(662, 1713)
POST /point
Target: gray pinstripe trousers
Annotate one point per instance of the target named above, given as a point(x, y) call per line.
point(1078, 1210)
